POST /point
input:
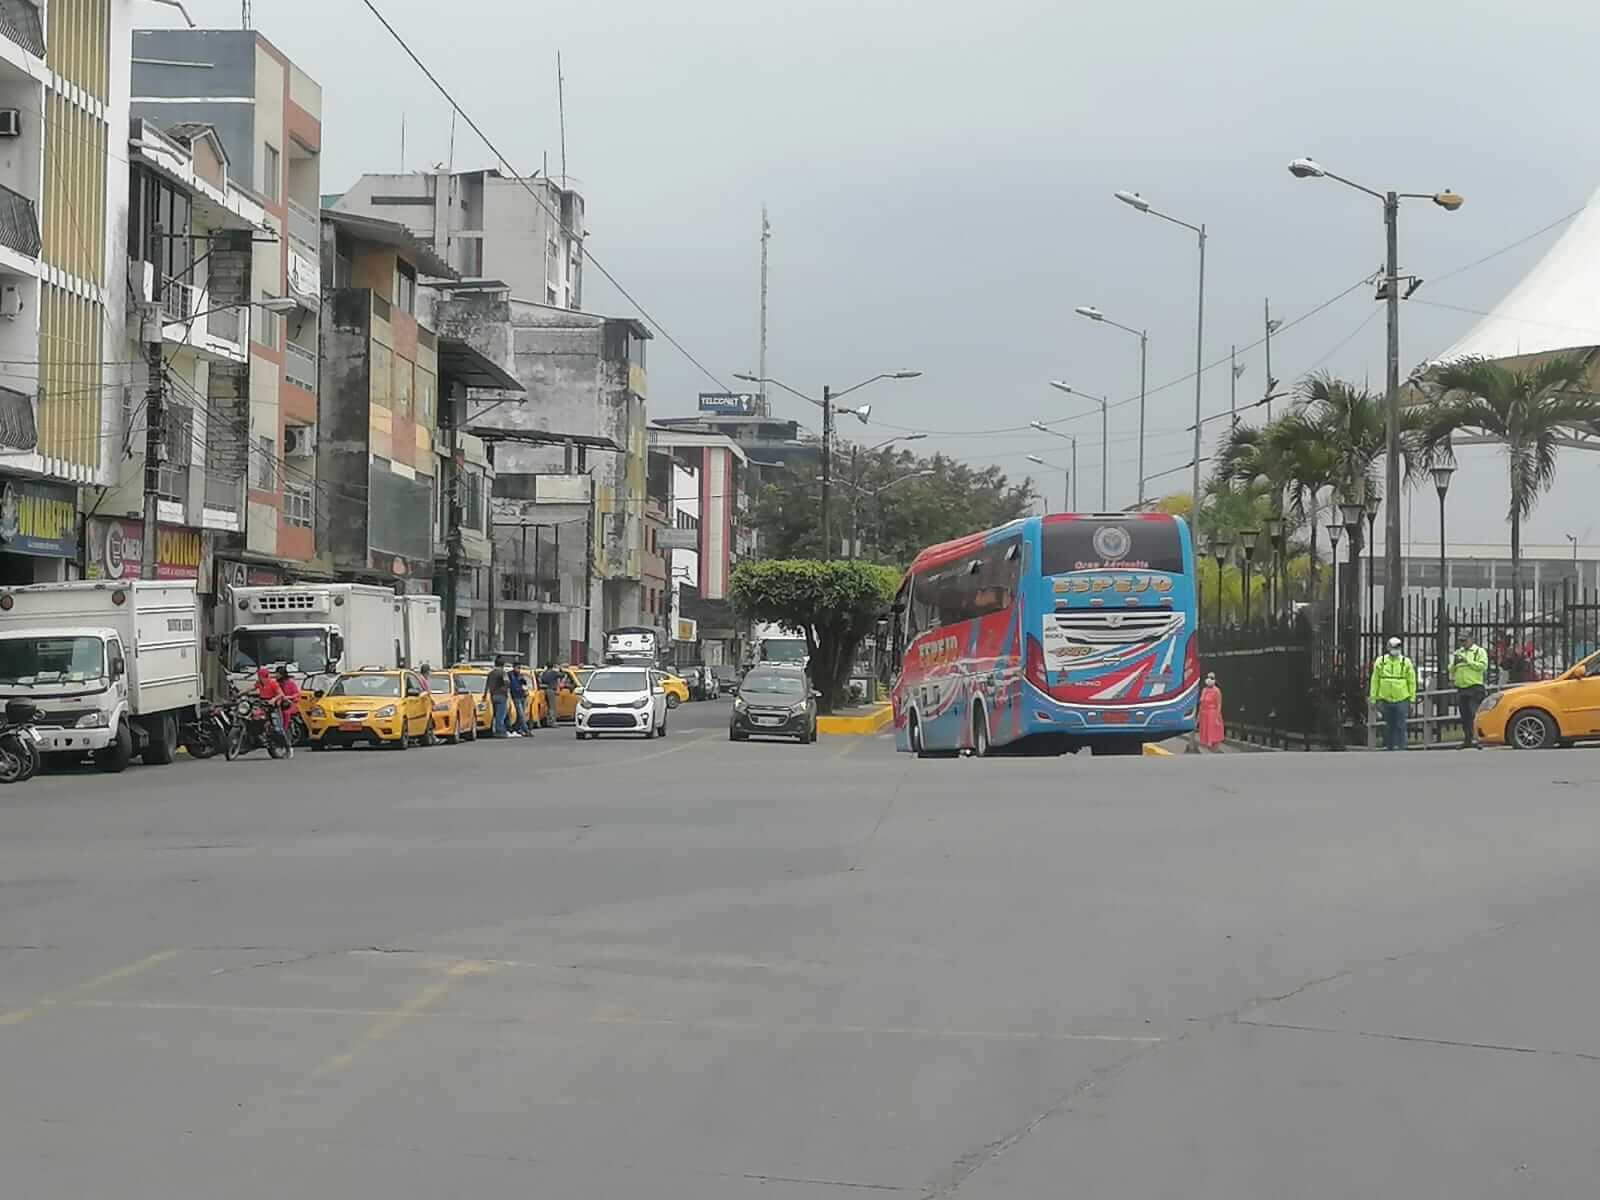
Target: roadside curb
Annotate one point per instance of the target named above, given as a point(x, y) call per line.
point(874, 722)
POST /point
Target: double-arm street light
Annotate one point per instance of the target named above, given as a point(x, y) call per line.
point(1094, 314)
point(1105, 406)
point(829, 408)
point(1066, 482)
point(1072, 474)
point(1306, 168)
point(1136, 201)
point(874, 493)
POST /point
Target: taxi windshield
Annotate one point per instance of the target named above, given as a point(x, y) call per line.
point(472, 683)
point(366, 685)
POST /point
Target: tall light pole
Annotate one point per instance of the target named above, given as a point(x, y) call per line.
point(1138, 202)
point(1094, 314)
point(1070, 437)
point(1105, 406)
point(874, 493)
point(1219, 552)
point(855, 474)
point(1441, 484)
point(1306, 168)
point(1335, 529)
point(829, 408)
point(1249, 538)
point(1066, 481)
point(1370, 504)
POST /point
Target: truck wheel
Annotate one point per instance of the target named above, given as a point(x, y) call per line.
point(161, 740)
point(116, 757)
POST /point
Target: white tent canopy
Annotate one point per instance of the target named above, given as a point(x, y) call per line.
point(1556, 306)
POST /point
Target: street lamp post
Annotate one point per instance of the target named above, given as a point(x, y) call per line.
point(855, 473)
point(1105, 407)
point(1070, 437)
point(1094, 314)
point(1335, 530)
point(1441, 484)
point(829, 408)
point(1274, 546)
point(1306, 168)
point(1139, 203)
point(1371, 506)
point(1219, 551)
point(874, 493)
point(1066, 482)
point(1248, 539)
point(1351, 514)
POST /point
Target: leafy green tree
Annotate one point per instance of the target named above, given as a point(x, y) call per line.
point(890, 502)
point(1527, 411)
point(835, 604)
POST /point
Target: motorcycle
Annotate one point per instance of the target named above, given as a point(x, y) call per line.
point(254, 728)
point(19, 742)
point(207, 735)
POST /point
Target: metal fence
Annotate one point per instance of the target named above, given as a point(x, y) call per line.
point(1303, 681)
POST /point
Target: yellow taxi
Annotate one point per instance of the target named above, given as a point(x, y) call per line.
point(455, 710)
point(1551, 712)
point(372, 707)
point(677, 689)
point(474, 679)
point(573, 679)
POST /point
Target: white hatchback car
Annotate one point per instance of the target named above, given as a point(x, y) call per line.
point(622, 700)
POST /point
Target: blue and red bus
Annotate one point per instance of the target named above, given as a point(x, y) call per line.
point(1076, 627)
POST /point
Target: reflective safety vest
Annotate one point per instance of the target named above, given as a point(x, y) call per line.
point(1394, 677)
point(1468, 667)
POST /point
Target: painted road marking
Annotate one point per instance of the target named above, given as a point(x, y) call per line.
point(391, 1021)
point(87, 987)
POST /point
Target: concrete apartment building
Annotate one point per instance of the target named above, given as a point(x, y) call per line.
point(63, 308)
point(585, 381)
point(525, 233)
point(267, 115)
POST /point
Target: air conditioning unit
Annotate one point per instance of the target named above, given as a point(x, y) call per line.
point(299, 441)
point(10, 122)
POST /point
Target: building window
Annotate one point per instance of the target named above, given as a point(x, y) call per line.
point(264, 324)
point(550, 295)
point(265, 475)
point(178, 438)
point(405, 287)
point(471, 484)
point(299, 505)
point(271, 172)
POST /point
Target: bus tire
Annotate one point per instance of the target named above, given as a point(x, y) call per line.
point(980, 732)
point(915, 732)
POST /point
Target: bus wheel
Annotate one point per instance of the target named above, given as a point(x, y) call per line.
point(980, 733)
point(917, 747)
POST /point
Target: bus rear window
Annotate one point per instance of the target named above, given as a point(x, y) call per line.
point(1099, 545)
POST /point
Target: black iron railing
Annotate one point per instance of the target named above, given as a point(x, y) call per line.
point(19, 21)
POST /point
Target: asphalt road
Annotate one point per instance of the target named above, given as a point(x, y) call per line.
point(685, 968)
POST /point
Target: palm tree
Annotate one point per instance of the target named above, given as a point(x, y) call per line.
point(1527, 411)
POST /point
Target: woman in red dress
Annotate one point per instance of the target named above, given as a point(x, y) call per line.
point(1210, 731)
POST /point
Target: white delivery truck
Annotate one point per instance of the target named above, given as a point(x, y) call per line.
point(313, 629)
point(779, 644)
point(422, 630)
point(113, 666)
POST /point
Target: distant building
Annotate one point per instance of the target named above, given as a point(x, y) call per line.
point(526, 233)
point(267, 115)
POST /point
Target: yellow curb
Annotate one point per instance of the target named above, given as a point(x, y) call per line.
point(876, 722)
point(1151, 750)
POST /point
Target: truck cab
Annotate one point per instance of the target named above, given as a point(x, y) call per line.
point(313, 629)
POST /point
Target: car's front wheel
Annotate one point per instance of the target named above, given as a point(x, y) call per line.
point(1532, 729)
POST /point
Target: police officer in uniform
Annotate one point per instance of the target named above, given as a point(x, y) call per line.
point(1394, 687)
point(1468, 666)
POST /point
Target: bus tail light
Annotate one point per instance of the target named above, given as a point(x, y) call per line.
point(1191, 661)
point(1035, 665)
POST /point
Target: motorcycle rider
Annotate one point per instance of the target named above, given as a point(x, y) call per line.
point(291, 701)
point(270, 692)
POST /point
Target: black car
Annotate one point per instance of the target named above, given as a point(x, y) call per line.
point(774, 701)
point(727, 677)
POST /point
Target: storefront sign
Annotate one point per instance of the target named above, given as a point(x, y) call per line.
point(116, 550)
point(38, 518)
point(685, 630)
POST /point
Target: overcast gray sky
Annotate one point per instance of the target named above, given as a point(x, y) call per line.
point(940, 181)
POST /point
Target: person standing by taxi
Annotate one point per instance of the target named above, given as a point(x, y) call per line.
point(499, 690)
point(1469, 664)
point(550, 684)
point(1393, 688)
point(518, 683)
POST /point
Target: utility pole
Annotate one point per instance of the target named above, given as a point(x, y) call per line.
point(155, 407)
point(454, 513)
point(1393, 583)
point(1144, 345)
point(827, 470)
point(766, 234)
point(245, 14)
point(1199, 377)
point(1271, 328)
point(588, 572)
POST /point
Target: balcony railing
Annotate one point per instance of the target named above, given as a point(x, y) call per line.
point(19, 223)
point(19, 21)
point(300, 366)
point(304, 226)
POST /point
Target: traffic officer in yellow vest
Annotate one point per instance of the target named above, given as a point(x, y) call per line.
point(1468, 666)
point(1394, 687)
